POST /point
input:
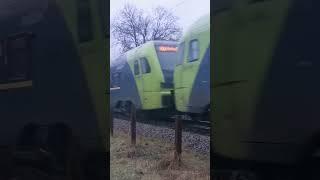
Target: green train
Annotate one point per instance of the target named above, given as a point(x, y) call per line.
point(53, 82)
point(192, 71)
point(142, 78)
point(265, 90)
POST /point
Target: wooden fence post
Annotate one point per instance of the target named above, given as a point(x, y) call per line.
point(133, 125)
point(178, 138)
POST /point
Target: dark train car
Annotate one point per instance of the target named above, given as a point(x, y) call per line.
point(265, 91)
point(53, 82)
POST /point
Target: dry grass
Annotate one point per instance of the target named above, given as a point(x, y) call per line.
point(153, 160)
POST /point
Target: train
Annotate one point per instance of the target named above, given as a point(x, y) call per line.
point(265, 96)
point(53, 89)
point(192, 71)
point(142, 78)
point(179, 83)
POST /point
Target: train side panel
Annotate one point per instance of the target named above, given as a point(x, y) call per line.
point(264, 95)
point(49, 83)
point(199, 100)
point(188, 71)
point(127, 91)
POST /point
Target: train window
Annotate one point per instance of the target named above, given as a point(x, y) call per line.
point(145, 66)
point(85, 25)
point(18, 54)
point(15, 58)
point(180, 53)
point(193, 50)
point(136, 68)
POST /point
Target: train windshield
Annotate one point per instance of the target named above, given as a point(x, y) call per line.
point(167, 55)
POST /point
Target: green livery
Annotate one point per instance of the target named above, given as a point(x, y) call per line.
point(265, 95)
point(53, 84)
point(143, 77)
point(192, 72)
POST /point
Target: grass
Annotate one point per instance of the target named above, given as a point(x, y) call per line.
point(152, 159)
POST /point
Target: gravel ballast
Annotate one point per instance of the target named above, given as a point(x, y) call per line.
point(195, 142)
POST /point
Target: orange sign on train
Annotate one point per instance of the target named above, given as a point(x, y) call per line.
point(168, 49)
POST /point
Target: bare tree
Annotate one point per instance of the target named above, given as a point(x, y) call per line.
point(125, 27)
point(164, 26)
point(133, 27)
point(144, 28)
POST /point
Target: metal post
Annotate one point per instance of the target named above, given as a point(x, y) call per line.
point(178, 138)
point(133, 125)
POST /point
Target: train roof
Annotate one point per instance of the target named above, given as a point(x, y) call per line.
point(161, 42)
point(200, 25)
point(152, 43)
point(120, 61)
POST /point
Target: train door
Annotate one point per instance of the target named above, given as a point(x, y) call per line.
point(19, 54)
point(148, 82)
point(188, 70)
point(178, 77)
point(138, 78)
point(225, 115)
point(146, 74)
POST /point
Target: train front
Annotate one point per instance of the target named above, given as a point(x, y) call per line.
point(167, 54)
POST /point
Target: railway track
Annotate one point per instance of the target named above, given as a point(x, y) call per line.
point(189, 125)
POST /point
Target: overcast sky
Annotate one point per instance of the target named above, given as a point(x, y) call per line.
point(187, 10)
